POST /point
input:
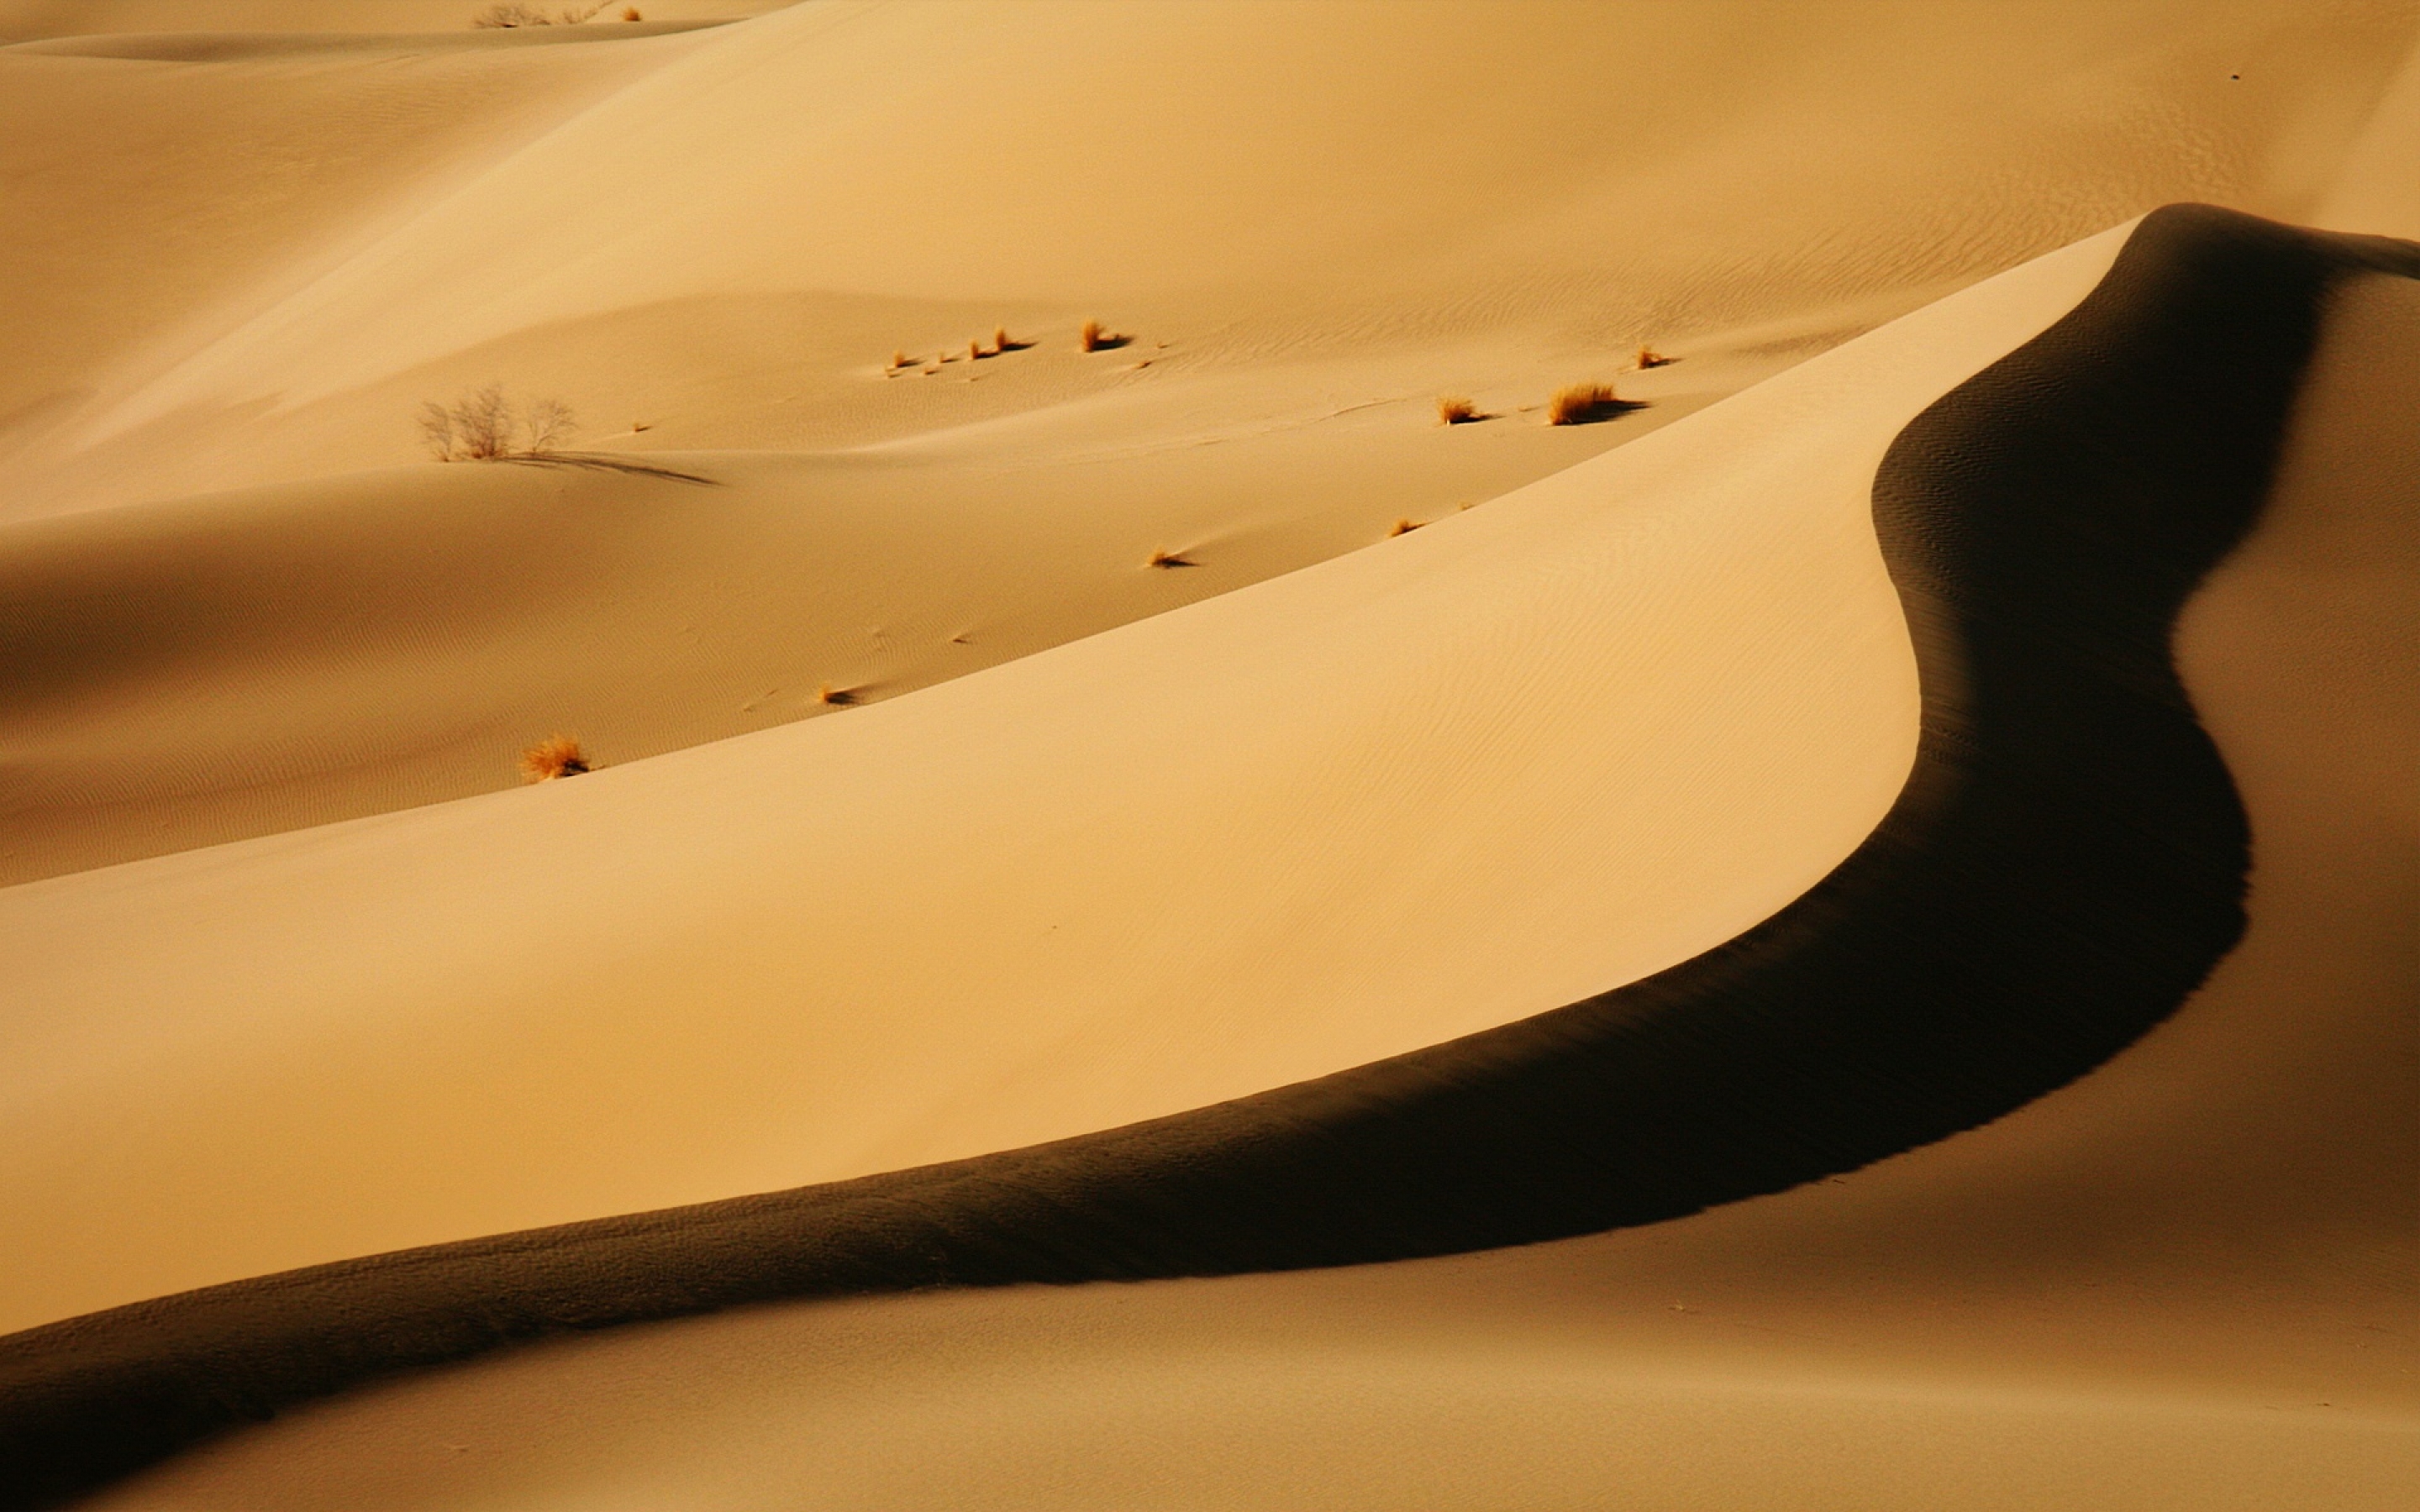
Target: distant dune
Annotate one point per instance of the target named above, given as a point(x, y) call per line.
point(1838, 937)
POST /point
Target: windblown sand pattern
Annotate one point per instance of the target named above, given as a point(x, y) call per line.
point(2064, 868)
point(1355, 754)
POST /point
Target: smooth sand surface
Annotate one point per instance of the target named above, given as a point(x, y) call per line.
point(1245, 824)
point(2182, 1282)
point(1534, 751)
point(1313, 219)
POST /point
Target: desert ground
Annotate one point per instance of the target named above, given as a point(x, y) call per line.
point(1150, 923)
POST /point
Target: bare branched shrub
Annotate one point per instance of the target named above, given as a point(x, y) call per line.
point(550, 424)
point(483, 426)
point(437, 430)
point(556, 756)
point(1454, 409)
point(1580, 403)
point(512, 15)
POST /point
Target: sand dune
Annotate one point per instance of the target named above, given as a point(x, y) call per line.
point(661, 233)
point(2217, 279)
point(1325, 824)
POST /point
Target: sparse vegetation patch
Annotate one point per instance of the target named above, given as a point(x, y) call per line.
point(526, 15)
point(1580, 403)
point(556, 756)
point(1455, 411)
point(485, 426)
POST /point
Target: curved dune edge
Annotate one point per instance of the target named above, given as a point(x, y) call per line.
point(2064, 867)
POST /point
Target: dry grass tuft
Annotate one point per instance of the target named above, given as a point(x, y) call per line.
point(556, 756)
point(1455, 411)
point(898, 360)
point(1168, 559)
point(1649, 357)
point(1579, 403)
point(631, 14)
point(1096, 337)
point(1402, 527)
point(838, 698)
point(975, 351)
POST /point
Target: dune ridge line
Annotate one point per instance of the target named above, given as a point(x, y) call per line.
point(2064, 867)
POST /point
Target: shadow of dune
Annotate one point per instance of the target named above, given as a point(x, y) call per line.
point(2065, 865)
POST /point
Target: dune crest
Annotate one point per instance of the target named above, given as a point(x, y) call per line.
point(2028, 908)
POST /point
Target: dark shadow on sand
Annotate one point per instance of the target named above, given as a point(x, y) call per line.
point(2065, 866)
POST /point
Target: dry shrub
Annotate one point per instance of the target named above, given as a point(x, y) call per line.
point(1402, 527)
point(1168, 559)
point(548, 424)
point(898, 360)
point(1580, 403)
point(974, 350)
point(1096, 337)
point(999, 342)
point(483, 426)
point(527, 15)
point(838, 698)
point(553, 757)
point(631, 14)
point(1454, 410)
point(1649, 357)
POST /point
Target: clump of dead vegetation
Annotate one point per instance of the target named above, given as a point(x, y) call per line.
point(1452, 409)
point(555, 756)
point(486, 426)
point(1168, 559)
point(1096, 337)
point(1649, 357)
point(1578, 404)
point(1402, 527)
point(525, 15)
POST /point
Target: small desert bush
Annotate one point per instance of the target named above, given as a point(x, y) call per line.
point(838, 698)
point(631, 14)
point(1402, 527)
point(557, 756)
point(1649, 357)
point(1580, 403)
point(1168, 559)
point(1096, 337)
point(485, 426)
point(974, 350)
point(1454, 410)
point(527, 15)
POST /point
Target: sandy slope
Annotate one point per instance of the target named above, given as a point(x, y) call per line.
point(2184, 1282)
point(1544, 747)
point(1535, 750)
point(1313, 218)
